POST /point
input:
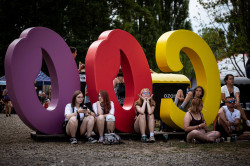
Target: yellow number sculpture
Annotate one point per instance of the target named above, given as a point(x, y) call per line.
point(168, 49)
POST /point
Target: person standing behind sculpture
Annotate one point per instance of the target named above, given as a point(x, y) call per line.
point(87, 100)
point(144, 120)
point(74, 53)
point(119, 86)
point(104, 111)
point(195, 126)
point(7, 102)
point(78, 119)
point(248, 67)
point(230, 90)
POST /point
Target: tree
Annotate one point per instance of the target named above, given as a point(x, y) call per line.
point(148, 20)
point(80, 22)
point(215, 38)
point(234, 17)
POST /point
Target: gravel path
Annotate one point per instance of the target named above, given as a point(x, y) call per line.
point(17, 148)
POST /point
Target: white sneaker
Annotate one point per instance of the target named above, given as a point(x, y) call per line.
point(100, 140)
point(248, 123)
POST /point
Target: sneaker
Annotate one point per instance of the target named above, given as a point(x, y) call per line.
point(100, 140)
point(7, 115)
point(248, 123)
point(195, 141)
point(180, 107)
point(219, 140)
point(91, 140)
point(151, 139)
point(73, 140)
point(144, 138)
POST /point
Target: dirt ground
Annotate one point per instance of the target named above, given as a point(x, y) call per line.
point(17, 148)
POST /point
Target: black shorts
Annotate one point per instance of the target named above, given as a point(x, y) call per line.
point(223, 131)
point(78, 128)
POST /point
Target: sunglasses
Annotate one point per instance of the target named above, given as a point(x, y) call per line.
point(232, 101)
point(146, 93)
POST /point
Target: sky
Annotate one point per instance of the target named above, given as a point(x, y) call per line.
point(194, 9)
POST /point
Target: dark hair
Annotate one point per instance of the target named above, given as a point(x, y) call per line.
point(73, 103)
point(202, 91)
point(194, 104)
point(226, 77)
point(120, 73)
point(72, 49)
point(228, 97)
point(106, 102)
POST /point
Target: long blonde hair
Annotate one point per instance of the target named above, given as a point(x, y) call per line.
point(194, 104)
point(140, 101)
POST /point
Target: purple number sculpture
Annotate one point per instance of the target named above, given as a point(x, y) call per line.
point(23, 62)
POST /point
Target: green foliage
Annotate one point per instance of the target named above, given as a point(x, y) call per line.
point(215, 38)
point(234, 17)
point(80, 22)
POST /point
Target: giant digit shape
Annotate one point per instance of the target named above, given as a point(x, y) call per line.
point(23, 62)
point(104, 57)
point(168, 49)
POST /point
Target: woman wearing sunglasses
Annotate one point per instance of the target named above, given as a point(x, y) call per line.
point(144, 120)
point(230, 90)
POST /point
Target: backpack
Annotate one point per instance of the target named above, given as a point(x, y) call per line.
point(111, 139)
point(121, 90)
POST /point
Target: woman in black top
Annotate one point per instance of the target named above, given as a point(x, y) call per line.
point(195, 125)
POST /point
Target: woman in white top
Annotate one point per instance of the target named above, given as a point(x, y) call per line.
point(230, 90)
point(104, 111)
point(78, 119)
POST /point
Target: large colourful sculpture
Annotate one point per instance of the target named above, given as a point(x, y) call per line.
point(168, 49)
point(113, 49)
point(23, 62)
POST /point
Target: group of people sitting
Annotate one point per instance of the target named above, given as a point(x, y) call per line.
point(229, 115)
point(80, 120)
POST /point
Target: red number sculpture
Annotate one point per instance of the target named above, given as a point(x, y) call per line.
point(104, 57)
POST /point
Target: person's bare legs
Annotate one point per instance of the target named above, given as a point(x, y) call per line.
point(100, 121)
point(87, 125)
point(110, 126)
point(71, 127)
point(221, 116)
point(9, 107)
point(213, 135)
point(178, 97)
point(242, 112)
point(151, 123)
point(186, 100)
point(140, 124)
point(196, 134)
point(188, 97)
point(225, 127)
point(6, 108)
